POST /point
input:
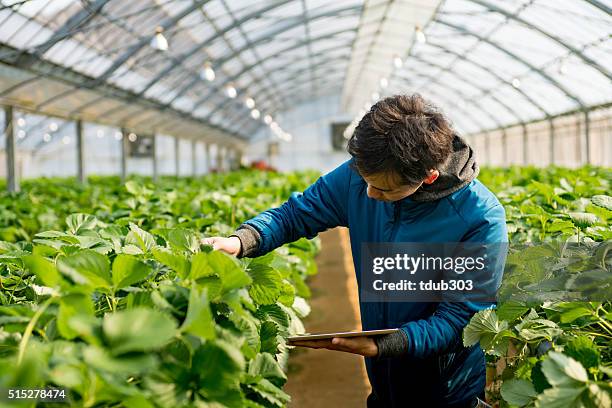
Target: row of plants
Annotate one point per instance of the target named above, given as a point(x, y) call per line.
point(549, 341)
point(107, 292)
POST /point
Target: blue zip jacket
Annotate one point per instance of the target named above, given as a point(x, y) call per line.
point(436, 370)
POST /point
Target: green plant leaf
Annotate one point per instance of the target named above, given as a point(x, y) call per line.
point(178, 263)
point(127, 270)
point(199, 319)
point(137, 329)
point(484, 327)
point(44, 269)
point(86, 267)
point(70, 306)
point(561, 370)
point(274, 396)
point(266, 284)
point(229, 270)
point(583, 350)
point(101, 359)
point(218, 364)
point(573, 314)
point(511, 310)
point(602, 200)
point(182, 239)
point(518, 392)
point(77, 223)
point(140, 238)
point(200, 267)
point(265, 365)
point(584, 219)
point(268, 333)
point(566, 397)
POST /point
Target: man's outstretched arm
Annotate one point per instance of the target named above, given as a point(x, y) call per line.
point(322, 206)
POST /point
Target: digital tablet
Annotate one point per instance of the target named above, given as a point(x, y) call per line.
point(323, 336)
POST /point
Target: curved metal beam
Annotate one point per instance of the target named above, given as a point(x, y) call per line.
point(600, 5)
point(325, 77)
point(145, 40)
point(465, 114)
point(512, 55)
point(548, 35)
point(471, 83)
point(493, 73)
point(81, 17)
point(290, 24)
point(229, 101)
point(255, 87)
point(248, 68)
point(189, 53)
point(133, 49)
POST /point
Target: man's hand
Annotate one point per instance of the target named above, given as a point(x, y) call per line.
point(229, 245)
point(365, 346)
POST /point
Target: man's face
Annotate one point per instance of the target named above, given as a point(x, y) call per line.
point(388, 187)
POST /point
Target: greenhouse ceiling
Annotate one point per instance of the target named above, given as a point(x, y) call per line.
point(224, 68)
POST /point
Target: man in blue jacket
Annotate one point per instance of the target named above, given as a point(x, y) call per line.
point(410, 179)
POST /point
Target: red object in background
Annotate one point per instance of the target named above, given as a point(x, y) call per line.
point(262, 165)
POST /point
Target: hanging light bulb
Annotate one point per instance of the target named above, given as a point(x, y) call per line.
point(46, 138)
point(53, 127)
point(255, 114)
point(375, 96)
point(118, 135)
point(563, 67)
point(249, 102)
point(132, 137)
point(516, 83)
point(21, 134)
point(159, 42)
point(267, 119)
point(397, 61)
point(231, 91)
point(420, 35)
point(66, 140)
point(21, 122)
point(288, 137)
point(100, 133)
point(208, 73)
point(384, 82)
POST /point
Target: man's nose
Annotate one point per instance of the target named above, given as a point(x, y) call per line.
point(372, 193)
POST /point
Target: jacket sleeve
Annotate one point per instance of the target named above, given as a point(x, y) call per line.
point(442, 332)
point(323, 205)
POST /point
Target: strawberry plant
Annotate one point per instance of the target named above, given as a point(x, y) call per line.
point(122, 306)
point(547, 345)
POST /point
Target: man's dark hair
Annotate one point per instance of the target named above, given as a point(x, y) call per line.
point(403, 134)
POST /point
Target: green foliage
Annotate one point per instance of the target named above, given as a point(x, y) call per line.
point(124, 305)
point(555, 351)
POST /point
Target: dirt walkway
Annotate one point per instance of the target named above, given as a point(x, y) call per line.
point(323, 378)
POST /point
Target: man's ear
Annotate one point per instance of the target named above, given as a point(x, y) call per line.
point(433, 176)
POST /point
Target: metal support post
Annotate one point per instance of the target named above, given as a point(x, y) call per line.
point(176, 156)
point(551, 144)
point(124, 149)
point(154, 157)
point(12, 181)
point(194, 167)
point(80, 152)
point(525, 145)
point(587, 136)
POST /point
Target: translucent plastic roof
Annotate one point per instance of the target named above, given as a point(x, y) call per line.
point(488, 63)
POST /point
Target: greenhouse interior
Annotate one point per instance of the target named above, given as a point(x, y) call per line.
point(231, 203)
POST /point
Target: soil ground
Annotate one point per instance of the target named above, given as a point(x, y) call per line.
point(324, 378)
